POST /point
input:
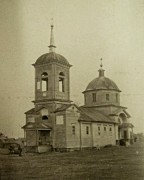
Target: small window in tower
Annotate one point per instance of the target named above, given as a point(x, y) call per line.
point(107, 97)
point(44, 79)
point(116, 97)
point(61, 82)
point(94, 97)
point(73, 129)
point(104, 128)
point(44, 114)
point(110, 129)
point(87, 130)
point(98, 128)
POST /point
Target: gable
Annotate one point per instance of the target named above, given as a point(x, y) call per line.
point(67, 107)
point(119, 111)
point(31, 125)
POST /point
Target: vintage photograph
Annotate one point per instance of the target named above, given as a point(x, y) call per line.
point(71, 89)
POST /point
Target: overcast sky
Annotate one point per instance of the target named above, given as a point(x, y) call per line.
point(85, 31)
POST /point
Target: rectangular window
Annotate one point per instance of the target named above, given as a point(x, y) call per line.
point(87, 130)
point(59, 120)
point(107, 97)
point(94, 97)
point(99, 128)
point(104, 128)
point(99, 133)
point(110, 129)
point(73, 129)
point(116, 97)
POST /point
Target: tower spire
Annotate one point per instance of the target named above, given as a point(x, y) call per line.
point(101, 70)
point(52, 46)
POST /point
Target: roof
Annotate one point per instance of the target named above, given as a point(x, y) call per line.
point(64, 107)
point(31, 125)
point(88, 114)
point(105, 105)
point(34, 111)
point(119, 110)
point(102, 83)
point(31, 111)
point(52, 57)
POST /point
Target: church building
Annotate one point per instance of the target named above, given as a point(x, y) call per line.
point(57, 123)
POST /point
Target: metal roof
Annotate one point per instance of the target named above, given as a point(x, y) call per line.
point(50, 58)
point(102, 83)
point(90, 114)
point(42, 126)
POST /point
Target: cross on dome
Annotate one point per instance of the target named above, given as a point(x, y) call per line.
point(101, 63)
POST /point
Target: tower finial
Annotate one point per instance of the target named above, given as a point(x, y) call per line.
point(101, 70)
point(51, 46)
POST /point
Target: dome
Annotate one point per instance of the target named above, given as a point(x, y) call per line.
point(102, 83)
point(52, 57)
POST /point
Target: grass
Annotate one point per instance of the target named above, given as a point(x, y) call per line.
point(121, 163)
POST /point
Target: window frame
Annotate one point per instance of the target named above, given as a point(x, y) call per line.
point(87, 130)
point(107, 97)
point(94, 97)
point(73, 129)
point(117, 97)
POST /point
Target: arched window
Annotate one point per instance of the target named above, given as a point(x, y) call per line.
point(44, 79)
point(73, 129)
point(61, 82)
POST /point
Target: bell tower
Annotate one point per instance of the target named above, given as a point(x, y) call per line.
point(52, 81)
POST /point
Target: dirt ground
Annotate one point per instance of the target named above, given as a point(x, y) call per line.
point(122, 163)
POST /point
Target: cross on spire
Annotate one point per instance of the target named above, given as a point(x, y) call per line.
point(101, 65)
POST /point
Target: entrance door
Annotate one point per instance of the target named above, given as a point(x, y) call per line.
point(44, 137)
